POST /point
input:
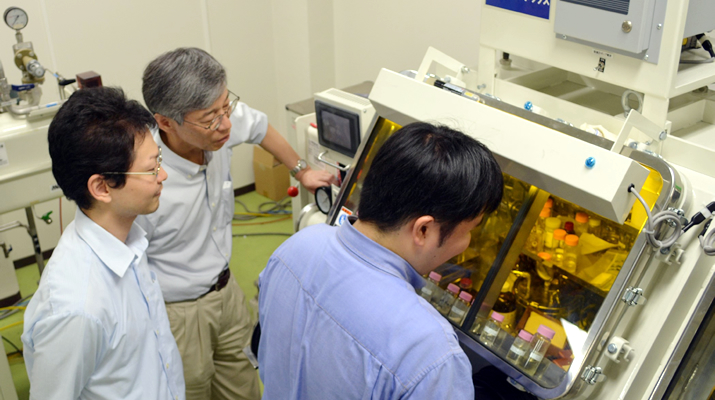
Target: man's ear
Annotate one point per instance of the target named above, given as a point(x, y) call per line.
point(424, 229)
point(165, 123)
point(98, 189)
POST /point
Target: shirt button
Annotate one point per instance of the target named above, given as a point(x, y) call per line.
point(226, 254)
point(213, 205)
point(157, 332)
point(167, 365)
point(214, 229)
point(188, 176)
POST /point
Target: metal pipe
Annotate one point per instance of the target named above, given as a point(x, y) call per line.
point(32, 230)
point(12, 225)
point(4, 86)
point(25, 110)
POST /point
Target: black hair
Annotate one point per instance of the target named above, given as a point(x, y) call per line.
point(425, 169)
point(95, 132)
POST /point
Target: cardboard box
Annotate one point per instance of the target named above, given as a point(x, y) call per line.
point(272, 177)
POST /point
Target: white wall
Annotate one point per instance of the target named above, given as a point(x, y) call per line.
point(275, 52)
point(374, 34)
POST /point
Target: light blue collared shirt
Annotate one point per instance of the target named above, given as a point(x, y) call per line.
point(340, 319)
point(97, 327)
point(190, 234)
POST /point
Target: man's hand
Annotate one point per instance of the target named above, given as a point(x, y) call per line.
point(312, 179)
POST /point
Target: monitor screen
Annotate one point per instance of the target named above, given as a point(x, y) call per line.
point(338, 129)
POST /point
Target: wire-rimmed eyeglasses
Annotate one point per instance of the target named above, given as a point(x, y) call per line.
point(155, 172)
point(216, 122)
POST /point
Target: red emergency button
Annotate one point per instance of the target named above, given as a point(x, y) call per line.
point(292, 191)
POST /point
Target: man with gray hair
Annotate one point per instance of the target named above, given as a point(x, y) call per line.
point(190, 236)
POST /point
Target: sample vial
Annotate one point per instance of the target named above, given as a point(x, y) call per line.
point(581, 225)
point(594, 227)
point(444, 304)
point(480, 320)
point(539, 345)
point(568, 227)
point(550, 225)
point(544, 261)
point(535, 242)
point(570, 253)
point(520, 349)
point(559, 236)
point(492, 332)
point(460, 307)
point(558, 254)
point(465, 284)
point(431, 288)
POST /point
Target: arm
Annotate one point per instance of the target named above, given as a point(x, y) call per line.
point(66, 351)
point(275, 144)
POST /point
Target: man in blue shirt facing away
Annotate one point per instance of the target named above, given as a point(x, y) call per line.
point(339, 315)
point(97, 326)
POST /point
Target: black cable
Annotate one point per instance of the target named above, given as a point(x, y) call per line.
point(700, 216)
point(12, 344)
point(5, 314)
point(706, 44)
point(276, 208)
point(709, 47)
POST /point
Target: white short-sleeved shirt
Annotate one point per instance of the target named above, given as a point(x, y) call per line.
point(97, 326)
point(190, 234)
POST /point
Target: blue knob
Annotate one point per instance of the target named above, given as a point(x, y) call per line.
point(590, 162)
point(528, 105)
point(22, 88)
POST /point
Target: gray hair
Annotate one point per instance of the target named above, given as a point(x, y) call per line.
point(183, 80)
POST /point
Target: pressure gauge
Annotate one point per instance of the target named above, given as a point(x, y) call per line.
point(15, 18)
point(324, 198)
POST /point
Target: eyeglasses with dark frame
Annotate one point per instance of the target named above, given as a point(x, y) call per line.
point(216, 122)
point(155, 173)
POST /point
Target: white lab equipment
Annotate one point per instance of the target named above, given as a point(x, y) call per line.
point(25, 165)
point(329, 139)
point(642, 184)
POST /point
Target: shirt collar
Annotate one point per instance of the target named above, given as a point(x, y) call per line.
point(117, 256)
point(376, 255)
point(177, 162)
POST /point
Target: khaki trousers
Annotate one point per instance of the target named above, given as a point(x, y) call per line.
point(211, 333)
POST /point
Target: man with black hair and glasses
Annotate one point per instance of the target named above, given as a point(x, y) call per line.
point(190, 236)
point(339, 315)
point(97, 328)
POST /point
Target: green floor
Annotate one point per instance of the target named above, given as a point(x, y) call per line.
point(250, 254)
